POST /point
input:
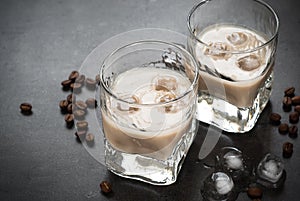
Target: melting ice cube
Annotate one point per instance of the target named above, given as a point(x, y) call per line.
point(270, 168)
point(249, 63)
point(217, 186)
point(237, 38)
point(233, 159)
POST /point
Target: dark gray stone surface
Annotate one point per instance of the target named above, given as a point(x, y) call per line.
point(42, 41)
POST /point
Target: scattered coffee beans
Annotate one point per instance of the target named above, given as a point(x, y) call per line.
point(290, 92)
point(81, 105)
point(80, 79)
point(90, 83)
point(275, 118)
point(73, 75)
point(70, 108)
point(296, 100)
point(82, 125)
point(80, 135)
point(66, 84)
point(254, 192)
point(91, 103)
point(26, 108)
point(287, 104)
point(76, 87)
point(293, 131)
point(105, 187)
point(297, 109)
point(294, 117)
point(69, 119)
point(90, 139)
point(287, 149)
point(63, 104)
point(79, 114)
point(71, 98)
point(283, 128)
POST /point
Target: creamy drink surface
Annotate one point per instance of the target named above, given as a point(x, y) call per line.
point(153, 126)
point(230, 74)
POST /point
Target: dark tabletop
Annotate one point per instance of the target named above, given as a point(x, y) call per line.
point(42, 41)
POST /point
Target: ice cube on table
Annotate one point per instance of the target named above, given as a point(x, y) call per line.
point(217, 186)
point(233, 160)
point(223, 183)
point(270, 168)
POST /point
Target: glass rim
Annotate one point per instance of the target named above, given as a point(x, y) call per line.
point(190, 89)
point(262, 3)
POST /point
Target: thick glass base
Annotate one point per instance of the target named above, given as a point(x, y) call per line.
point(147, 168)
point(228, 117)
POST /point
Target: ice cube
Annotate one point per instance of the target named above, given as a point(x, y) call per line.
point(165, 83)
point(126, 106)
point(270, 168)
point(237, 38)
point(249, 63)
point(218, 50)
point(218, 186)
point(233, 160)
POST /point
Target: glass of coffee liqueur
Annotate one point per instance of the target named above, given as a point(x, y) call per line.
point(148, 94)
point(234, 43)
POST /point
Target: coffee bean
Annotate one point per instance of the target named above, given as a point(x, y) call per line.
point(287, 104)
point(82, 125)
point(63, 105)
point(90, 83)
point(297, 109)
point(69, 119)
point(79, 114)
point(70, 108)
point(66, 84)
point(26, 108)
point(91, 103)
point(296, 100)
point(105, 187)
point(80, 135)
point(90, 139)
point(283, 128)
point(73, 75)
point(290, 92)
point(294, 117)
point(80, 79)
point(275, 118)
point(71, 98)
point(76, 87)
point(81, 105)
point(293, 131)
point(254, 192)
point(97, 79)
point(287, 149)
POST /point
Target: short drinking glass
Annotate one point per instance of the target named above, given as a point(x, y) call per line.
point(148, 101)
point(234, 42)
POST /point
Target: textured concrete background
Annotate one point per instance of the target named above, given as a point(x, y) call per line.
point(42, 41)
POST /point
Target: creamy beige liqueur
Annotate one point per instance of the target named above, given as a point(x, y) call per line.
point(235, 76)
point(152, 129)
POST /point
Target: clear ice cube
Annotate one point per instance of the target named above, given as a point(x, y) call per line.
point(237, 38)
point(249, 63)
point(234, 162)
point(218, 50)
point(166, 83)
point(270, 168)
point(218, 186)
point(233, 159)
